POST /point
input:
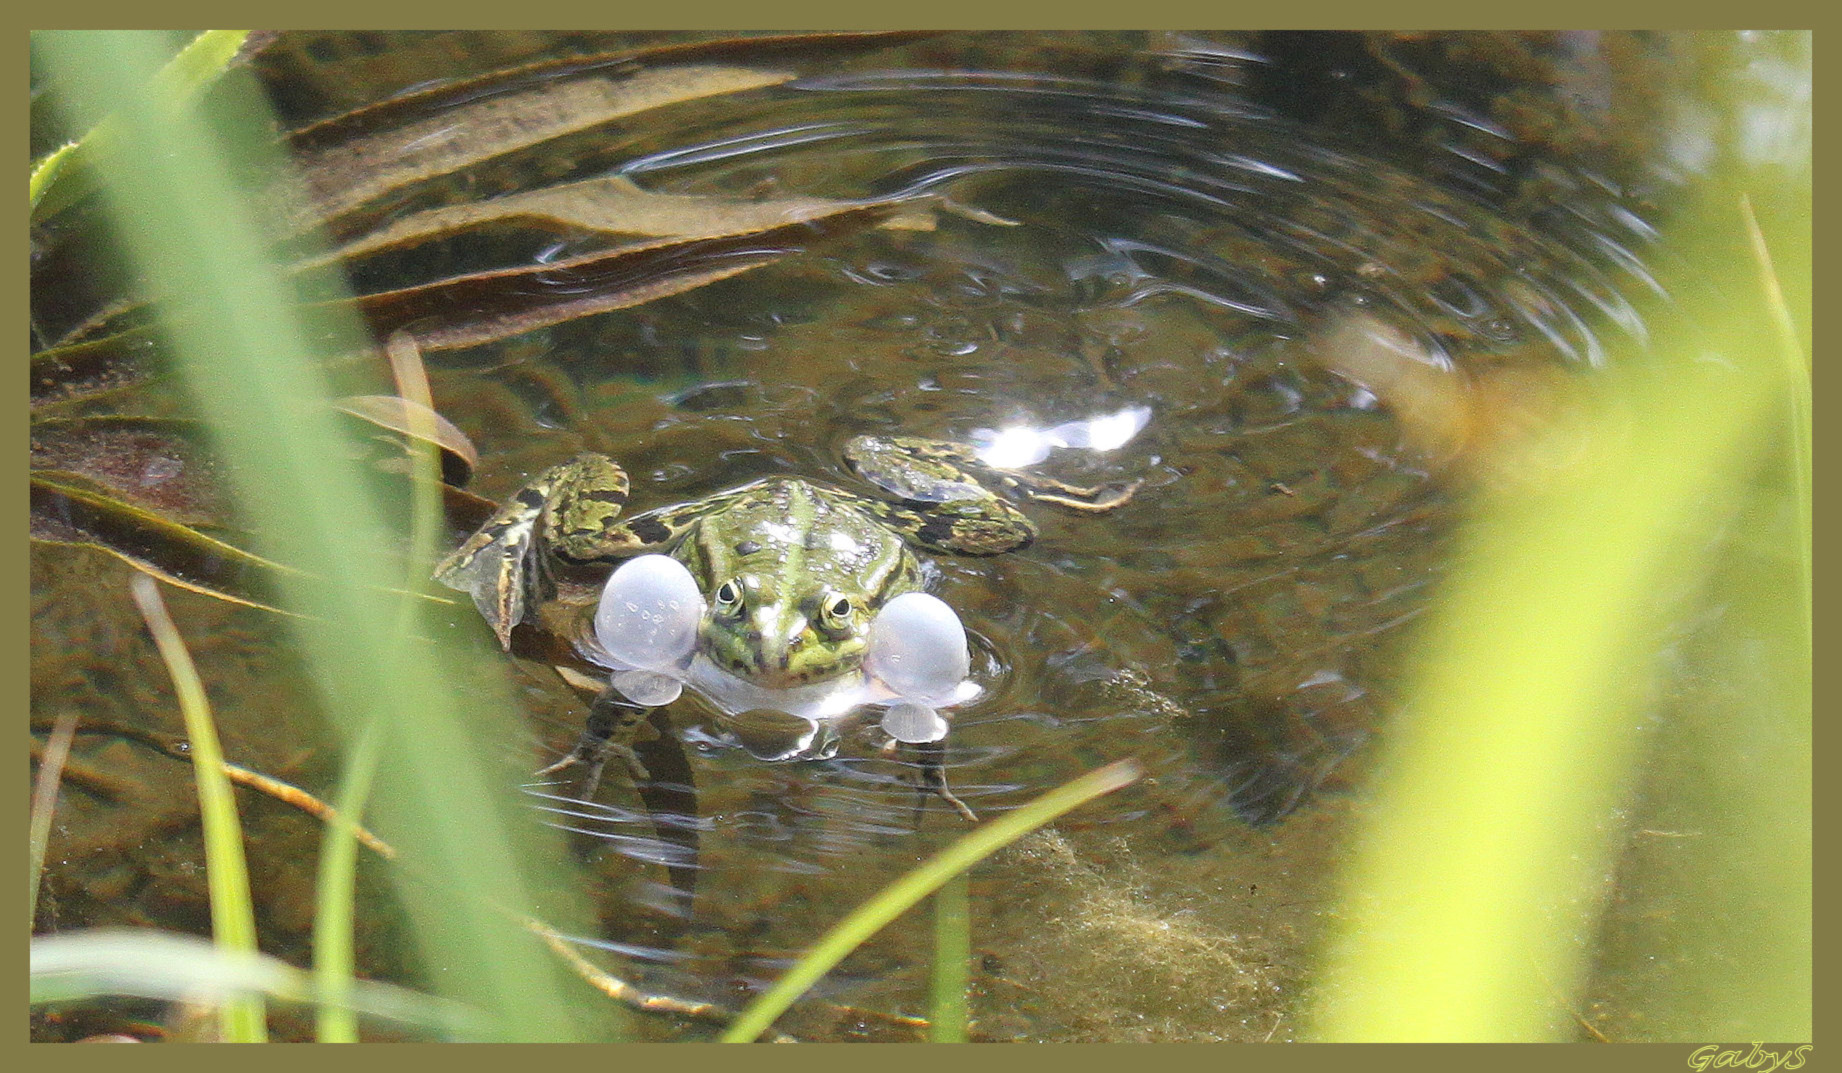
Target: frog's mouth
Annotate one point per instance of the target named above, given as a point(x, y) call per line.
point(800, 660)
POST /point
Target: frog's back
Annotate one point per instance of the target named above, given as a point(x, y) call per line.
point(806, 533)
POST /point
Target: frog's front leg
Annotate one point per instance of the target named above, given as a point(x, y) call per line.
point(935, 499)
point(567, 516)
point(929, 465)
point(502, 565)
point(614, 724)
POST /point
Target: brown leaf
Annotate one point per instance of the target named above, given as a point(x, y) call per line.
point(613, 205)
point(1460, 418)
point(563, 291)
point(156, 464)
point(484, 306)
point(753, 51)
point(458, 456)
point(64, 513)
point(345, 176)
point(466, 512)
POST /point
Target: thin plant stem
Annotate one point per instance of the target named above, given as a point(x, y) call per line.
point(233, 918)
point(335, 895)
point(870, 917)
point(1797, 380)
point(952, 961)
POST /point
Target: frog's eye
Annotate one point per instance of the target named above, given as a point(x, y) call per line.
point(835, 611)
point(728, 598)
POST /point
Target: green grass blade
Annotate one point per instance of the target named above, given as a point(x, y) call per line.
point(256, 372)
point(335, 895)
point(46, 170)
point(1796, 365)
point(233, 917)
point(870, 917)
point(200, 62)
point(443, 794)
point(952, 962)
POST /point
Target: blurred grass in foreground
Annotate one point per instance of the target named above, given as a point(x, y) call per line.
point(255, 373)
point(952, 975)
point(78, 965)
point(335, 884)
point(1678, 488)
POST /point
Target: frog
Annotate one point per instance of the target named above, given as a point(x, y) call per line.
point(792, 572)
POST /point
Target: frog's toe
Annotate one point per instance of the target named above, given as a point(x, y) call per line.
point(1090, 500)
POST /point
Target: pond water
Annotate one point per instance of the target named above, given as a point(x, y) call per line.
point(1172, 224)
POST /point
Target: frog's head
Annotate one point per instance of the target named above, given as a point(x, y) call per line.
point(778, 634)
point(773, 643)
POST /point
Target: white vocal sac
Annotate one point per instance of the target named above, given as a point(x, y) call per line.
point(916, 659)
point(649, 614)
point(917, 648)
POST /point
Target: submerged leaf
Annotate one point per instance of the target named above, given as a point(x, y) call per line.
point(359, 157)
point(750, 50)
point(142, 488)
point(96, 367)
point(161, 465)
point(64, 512)
point(485, 306)
point(458, 456)
point(347, 175)
point(613, 205)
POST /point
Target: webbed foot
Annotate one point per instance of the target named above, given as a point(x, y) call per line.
point(613, 721)
point(934, 782)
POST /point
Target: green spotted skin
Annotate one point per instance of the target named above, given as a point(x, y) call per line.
point(793, 575)
point(792, 571)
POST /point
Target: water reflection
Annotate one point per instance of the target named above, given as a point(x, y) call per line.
point(1021, 446)
point(1183, 264)
point(1119, 284)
